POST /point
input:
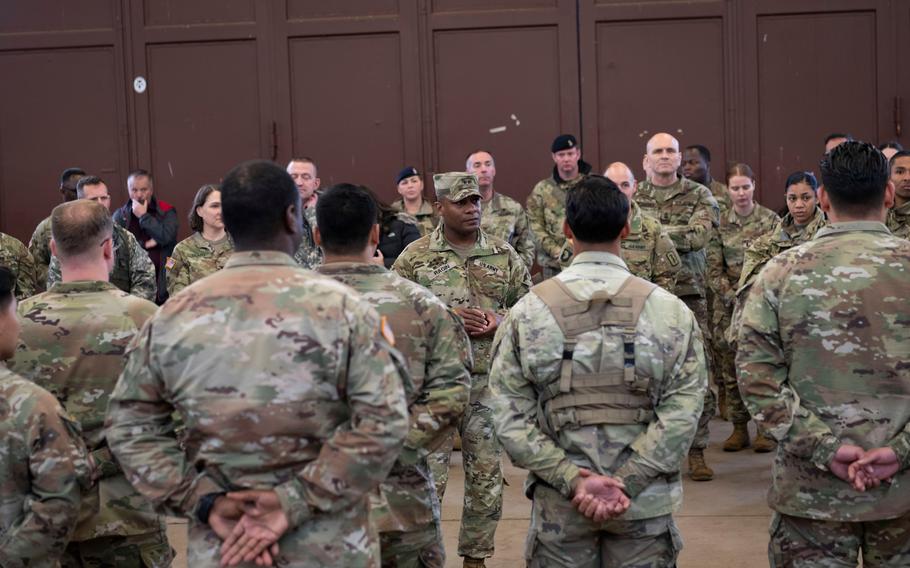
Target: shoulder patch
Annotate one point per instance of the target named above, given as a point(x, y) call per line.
point(171, 263)
point(386, 331)
point(673, 258)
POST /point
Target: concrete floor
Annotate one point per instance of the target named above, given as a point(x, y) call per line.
point(724, 522)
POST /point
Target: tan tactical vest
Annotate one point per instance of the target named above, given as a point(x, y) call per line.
point(610, 396)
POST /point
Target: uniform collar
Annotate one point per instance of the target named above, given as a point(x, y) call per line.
point(852, 226)
point(260, 257)
point(334, 268)
point(82, 286)
point(599, 257)
point(482, 247)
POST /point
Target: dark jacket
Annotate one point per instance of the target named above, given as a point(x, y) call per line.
point(159, 223)
point(397, 231)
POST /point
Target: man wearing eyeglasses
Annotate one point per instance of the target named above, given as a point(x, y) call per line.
point(74, 338)
point(133, 271)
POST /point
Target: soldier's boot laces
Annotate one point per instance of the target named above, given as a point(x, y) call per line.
point(763, 444)
point(739, 439)
point(698, 469)
point(473, 562)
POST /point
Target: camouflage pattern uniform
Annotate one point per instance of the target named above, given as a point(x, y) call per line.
point(40, 248)
point(822, 362)
point(720, 193)
point(426, 215)
point(689, 214)
point(491, 276)
point(546, 207)
point(504, 218)
point(725, 263)
point(648, 251)
point(72, 344)
point(195, 258)
point(308, 255)
point(405, 509)
point(133, 272)
point(644, 451)
point(44, 467)
point(15, 256)
point(899, 220)
point(283, 381)
point(784, 236)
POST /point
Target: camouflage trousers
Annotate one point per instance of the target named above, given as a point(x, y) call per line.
point(699, 307)
point(421, 548)
point(343, 538)
point(482, 462)
point(135, 551)
point(560, 536)
point(807, 543)
point(725, 359)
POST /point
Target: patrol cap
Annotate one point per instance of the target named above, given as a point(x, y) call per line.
point(455, 186)
point(406, 173)
point(563, 142)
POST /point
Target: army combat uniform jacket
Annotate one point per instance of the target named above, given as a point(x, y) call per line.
point(426, 215)
point(546, 206)
point(899, 221)
point(44, 467)
point(504, 218)
point(15, 256)
point(688, 213)
point(643, 446)
point(194, 258)
point(283, 381)
point(822, 361)
point(73, 340)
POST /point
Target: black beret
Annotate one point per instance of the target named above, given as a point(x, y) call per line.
point(563, 142)
point(406, 173)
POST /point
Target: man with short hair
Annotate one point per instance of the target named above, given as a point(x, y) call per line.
point(480, 277)
point(133, 270)
point(835, 139)
point(306, 180)
point(899, 215)
point(697, 167)
point(500, 215)
point(598, 378)
point(44, 465)
point(153, 222)
point(647, 250)
point(689, 214)
point(405, 509)
point(822, 361)
point(15, 256)
point(73, 340)
point(40, 244)
point(546, 205)
point(289, 391)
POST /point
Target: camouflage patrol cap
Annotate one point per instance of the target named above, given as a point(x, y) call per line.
point(455, 186)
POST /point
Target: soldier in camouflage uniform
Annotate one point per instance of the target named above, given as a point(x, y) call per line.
point(696, 166)
point(133, 270)
point(412, 202)
point(742, 223)
point(500, 215)
point(899, 215)
point(15, 256)
point(207, 250)
point(73, 340)
point(689, 214)
point(647, 250)
point(585, 388)
point(44, 464)
point(40, 244)
point(802, 221)
point(546, 206)
point(480, 277)
point(822, 363)
point(286, 385)
point(306, 180)
point(405, 509)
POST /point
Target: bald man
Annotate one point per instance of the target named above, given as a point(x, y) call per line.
point(689, 214)
point(648, 251)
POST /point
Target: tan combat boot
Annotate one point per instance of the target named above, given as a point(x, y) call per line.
point(473, 562)
point(698, 469)
point(763, 444)
point(739, 439)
